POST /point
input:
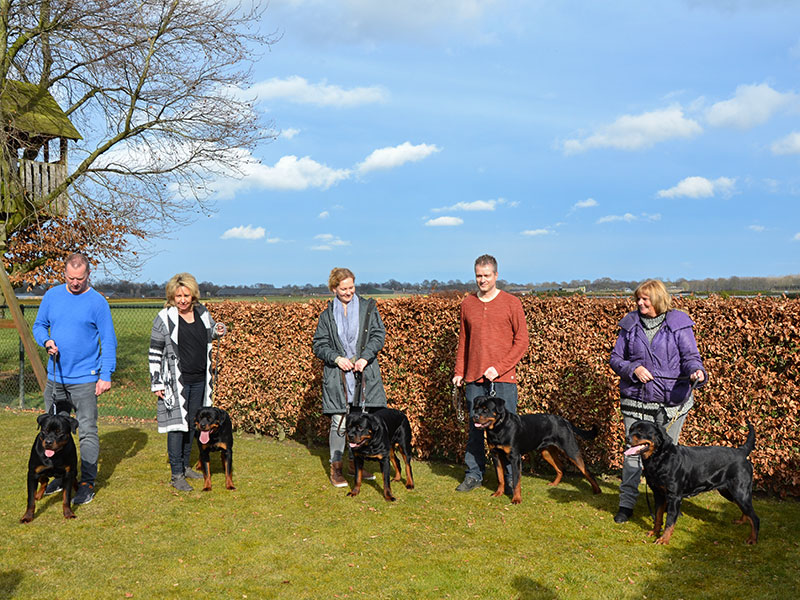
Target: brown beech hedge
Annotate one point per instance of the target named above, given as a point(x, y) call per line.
point(270, 381)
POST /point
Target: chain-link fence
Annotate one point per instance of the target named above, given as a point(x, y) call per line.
point(130, 394)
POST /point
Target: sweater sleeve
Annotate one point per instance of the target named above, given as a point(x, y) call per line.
point(108, 340)
point(519, 345)
point(41, 326)
point(156, 353)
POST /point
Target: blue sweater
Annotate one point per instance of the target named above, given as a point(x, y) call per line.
point(79, 325)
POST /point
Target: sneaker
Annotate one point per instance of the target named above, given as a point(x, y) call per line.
point(623, 515)
point(469, 484)
point(85, 493)
point(179, 483)
point(190, 473)
point(53, 487)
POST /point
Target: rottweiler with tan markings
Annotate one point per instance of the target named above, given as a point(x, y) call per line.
point(214, 432)
point(675, 472)
point(374, 436)
point(510, 436)
point(53, 455)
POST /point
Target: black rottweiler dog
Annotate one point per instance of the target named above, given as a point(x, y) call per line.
point(510, 436)
point(374, 436)
point(213, 430)
point(675, 472)
point(53, 455)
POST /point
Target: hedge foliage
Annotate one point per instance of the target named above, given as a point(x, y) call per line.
point(270, 382)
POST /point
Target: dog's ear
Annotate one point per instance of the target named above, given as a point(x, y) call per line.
point(73, 423)
point(499, 405)
point(41, 419)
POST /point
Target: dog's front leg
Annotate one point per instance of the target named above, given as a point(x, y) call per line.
point(387, 486)
point(358, 462)
point(227, 465)
point(661, 506)
point(516, 478)
point(205, 465)
point(31, 508)
point(673, 510)
point(499, 464)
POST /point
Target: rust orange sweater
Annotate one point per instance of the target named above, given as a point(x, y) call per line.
point(493, 334)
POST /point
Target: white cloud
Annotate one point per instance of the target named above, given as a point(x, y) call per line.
point(329, 241)
point(289, 133)
point(637, 132)
point(323, 215)
point(444, 222)
point(274, 240)
point(700, 187)
point(588, 203)
point(787, 145)
point(629, 218)
point(289, 173)
point(244, 232)
point(757, 228)
point(475, 205)
point(751, 105)
point(297, 89)
point(391, 157)
point(796, 237)
point(536, 232)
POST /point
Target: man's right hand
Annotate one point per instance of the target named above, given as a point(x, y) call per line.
point(51, 347)
point(458, 380)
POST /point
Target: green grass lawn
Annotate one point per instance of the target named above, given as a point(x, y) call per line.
point(286, 533)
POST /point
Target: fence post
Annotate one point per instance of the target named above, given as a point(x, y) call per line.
point(22, 366)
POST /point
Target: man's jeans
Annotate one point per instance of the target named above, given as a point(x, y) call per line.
point(84, 402)
point(475, 455)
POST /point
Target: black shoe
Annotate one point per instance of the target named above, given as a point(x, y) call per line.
point(85, 493)
point(623, 514)
point(189, 473)
point(469, 484)
point(179, 483)
point(53, 487)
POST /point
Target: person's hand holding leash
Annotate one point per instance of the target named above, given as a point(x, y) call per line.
point(221, 329)
point(51, 347)
point(458, 380)
point(697, 377)
point(360, 364)
point(490, 374)
point(344, 363)
point(642, 374)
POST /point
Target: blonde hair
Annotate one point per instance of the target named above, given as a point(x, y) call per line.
point(658, 294)
point(186, 280)
point(338, 275)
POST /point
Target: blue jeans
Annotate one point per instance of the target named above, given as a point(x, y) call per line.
point(81, 398)
point(179, 443)
point(475, 454)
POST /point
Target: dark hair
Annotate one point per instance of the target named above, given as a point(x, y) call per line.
point(486, 260)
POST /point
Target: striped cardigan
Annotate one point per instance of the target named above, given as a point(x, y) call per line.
point(165, 373)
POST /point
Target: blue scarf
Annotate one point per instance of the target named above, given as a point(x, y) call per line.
point(347, 328)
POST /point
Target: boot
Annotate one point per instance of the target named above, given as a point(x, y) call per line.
point(366, 475)
point(337, 479)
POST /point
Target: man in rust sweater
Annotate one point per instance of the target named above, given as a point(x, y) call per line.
point(492, 340)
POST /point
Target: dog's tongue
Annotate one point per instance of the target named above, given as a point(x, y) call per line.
point(204, 437)
point(352, 445)
point(49, 453)
point(634, 449)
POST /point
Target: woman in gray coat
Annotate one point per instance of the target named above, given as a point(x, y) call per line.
point(349, 336)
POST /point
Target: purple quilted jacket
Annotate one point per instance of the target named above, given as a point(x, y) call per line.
point(672, 353)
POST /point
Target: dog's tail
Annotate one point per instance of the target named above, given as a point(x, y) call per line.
point(750, 442)
point(587, 434)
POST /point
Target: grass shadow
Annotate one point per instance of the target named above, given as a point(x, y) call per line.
point(9, 582)
point(116, 446)
point(529, 589)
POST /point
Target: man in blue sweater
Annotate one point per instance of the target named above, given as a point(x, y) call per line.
point(74, 325)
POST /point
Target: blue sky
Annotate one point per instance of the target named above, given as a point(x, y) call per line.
point(570, 139)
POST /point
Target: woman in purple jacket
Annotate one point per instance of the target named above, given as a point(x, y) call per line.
point(658, 364)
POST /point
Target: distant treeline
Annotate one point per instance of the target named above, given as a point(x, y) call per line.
point(131, 289)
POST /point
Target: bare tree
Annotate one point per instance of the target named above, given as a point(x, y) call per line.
point(155, 89)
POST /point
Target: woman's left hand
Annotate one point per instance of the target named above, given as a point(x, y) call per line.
point(360, 364)
point(221, 329)
point(697, 377)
